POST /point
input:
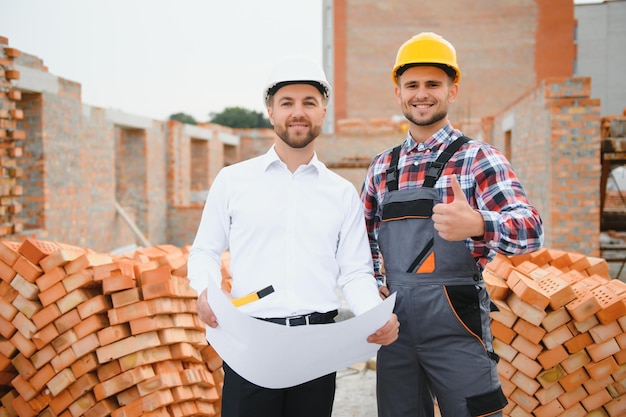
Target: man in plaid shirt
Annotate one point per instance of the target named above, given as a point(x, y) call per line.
point(438, 208)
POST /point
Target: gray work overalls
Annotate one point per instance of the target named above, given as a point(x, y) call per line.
point(444, 349)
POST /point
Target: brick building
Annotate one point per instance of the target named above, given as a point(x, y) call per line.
point(504, 48)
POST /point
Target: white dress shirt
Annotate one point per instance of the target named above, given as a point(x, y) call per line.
point(302, 232)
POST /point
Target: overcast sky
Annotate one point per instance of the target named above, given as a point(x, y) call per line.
point(154, 58)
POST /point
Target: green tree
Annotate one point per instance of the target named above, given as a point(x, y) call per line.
point(183, 118)
point(238, 117)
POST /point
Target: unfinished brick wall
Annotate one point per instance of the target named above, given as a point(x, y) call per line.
point(553, 136)
point(11, 145)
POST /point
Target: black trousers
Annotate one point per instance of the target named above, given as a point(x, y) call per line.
point(241, 398)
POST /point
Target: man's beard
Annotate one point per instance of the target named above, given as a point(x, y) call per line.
point(432, 120)
point(301, 141)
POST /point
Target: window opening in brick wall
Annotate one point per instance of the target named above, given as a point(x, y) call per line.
point(31, 164)
point(230, 154)
point(131, 176)
point(199, 168)
point(508, 151)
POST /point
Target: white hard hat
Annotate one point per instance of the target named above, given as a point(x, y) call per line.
point(296, 70)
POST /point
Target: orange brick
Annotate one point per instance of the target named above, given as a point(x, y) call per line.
point(525, 267)
point(24, 288)
point(527, 311)
point(551, 409)
point(21, 385)
point(43, 356)
point(496, 286)
point(525, 346)
point(6, 271)
point(541, 257)
point(8, 252)
point(154, 355)
point(24, 366)
point(83, 384)
point(67, 321)
point(86, 260)
point(599, 351)
point(528, 290)
point(604, 332)
point(598, 266)
point(616, 407)
point(595, 385)
point(152, 323)
point(122, 382)
point(545, 395)
point(578, 342)
point(45, 316)
point(557, 337)
point(587, 324)
point(29, 271)
point(556, 318)
point(159, 274)
point(504, 314)
point(59, 258)
point(49, 278)
point(527, 366)
point(597, 400)
point(80, 279)
point(573, 381)
point(129, 312)
point(107, 270)
point(63, 360)
point(552, 357)
point(85, 364)
point(95, 305)
point(90, 325)
point(127, 346)
point(52, 294)
point(117, 283)
point(42, 377)
point(575, 361)
point(60, 402)
point(124, 298)
point(530, 331)
point(24, 325)
point(560, 258)
point(570, 398)
point(36, 250)
point(601, 369)
point(85, 346)
point(45, 336)
point(612, 306)
point(559, 291)
point(108, 370)
point(23, 344)
point(73, 299)
point(585, 304)
point(113, 333)
point(64, 341)
point(525, 401)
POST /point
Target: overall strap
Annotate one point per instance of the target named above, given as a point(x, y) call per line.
point(436, 168)
point(392, 171)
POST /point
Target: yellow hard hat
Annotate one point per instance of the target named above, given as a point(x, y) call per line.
point(427, 48)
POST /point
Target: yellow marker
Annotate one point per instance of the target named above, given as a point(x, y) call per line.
point(237, 302)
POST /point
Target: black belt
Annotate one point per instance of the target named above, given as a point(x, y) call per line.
point(312, 318)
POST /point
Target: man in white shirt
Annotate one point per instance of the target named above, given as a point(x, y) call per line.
point(289, 222)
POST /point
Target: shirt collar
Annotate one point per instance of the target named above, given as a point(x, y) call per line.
point(445, 135)
point(271, 158)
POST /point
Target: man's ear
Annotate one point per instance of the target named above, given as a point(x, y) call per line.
point(270, 115)
point(454, 92)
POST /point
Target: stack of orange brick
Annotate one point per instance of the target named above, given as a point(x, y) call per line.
point(89, 334)
point(560, 333)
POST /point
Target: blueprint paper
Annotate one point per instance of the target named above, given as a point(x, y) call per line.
point(276, 356)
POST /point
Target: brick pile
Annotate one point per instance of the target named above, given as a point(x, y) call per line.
point(90, 334)
point(560, 333)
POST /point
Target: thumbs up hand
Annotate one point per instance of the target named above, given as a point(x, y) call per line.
point(457, 220)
